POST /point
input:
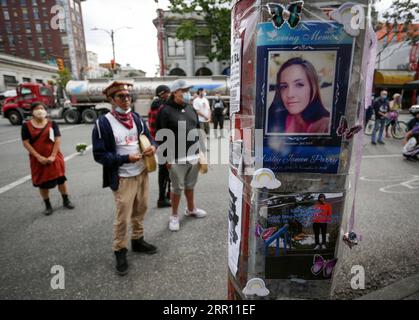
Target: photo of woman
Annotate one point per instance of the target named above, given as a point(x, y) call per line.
point(297, 106)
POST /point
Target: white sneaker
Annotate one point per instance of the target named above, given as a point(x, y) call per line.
point(197, 213)
point(317, 247)
point(174, 223)
point(324, 247)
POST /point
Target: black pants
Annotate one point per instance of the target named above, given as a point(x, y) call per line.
point(218, 120)
point(164, 181)
point(317, 227)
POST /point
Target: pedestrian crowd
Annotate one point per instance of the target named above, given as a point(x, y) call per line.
point(127, 147)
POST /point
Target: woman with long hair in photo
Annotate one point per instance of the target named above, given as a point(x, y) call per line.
point(42, 138)
point(297, 106)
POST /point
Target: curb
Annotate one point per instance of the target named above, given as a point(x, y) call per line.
point(396, 291)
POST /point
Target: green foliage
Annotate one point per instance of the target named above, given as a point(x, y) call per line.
point(403, 12)
point(63, 77)
point(81, 147)
point(216, 14)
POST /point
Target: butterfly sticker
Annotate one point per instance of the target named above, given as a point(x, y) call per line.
point(344, 131)
point(291, 14)
point(263, 233)
point(319, 265)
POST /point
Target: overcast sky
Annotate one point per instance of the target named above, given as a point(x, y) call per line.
point(137, 46)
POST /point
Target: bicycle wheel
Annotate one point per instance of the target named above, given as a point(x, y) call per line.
point(369, 127)
point(399, 130)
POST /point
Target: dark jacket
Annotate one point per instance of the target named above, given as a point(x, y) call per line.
point(156, 105)
point(380, 105)
point(104, 149)
point(170, 117)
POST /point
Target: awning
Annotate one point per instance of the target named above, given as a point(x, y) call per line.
point(414, 85)
point(392, 77)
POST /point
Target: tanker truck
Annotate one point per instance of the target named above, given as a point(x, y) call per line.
point(83, 101)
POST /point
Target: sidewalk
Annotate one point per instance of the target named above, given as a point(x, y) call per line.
point(406, 289)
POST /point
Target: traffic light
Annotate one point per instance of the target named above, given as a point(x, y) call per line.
point(60, 64)
point(112, 64)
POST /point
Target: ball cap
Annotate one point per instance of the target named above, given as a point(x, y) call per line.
point(117, 86)
point(179, 85)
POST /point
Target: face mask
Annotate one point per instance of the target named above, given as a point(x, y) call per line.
point(186, 97)
point(384, 97)
point(122, 111)
point(40, 114)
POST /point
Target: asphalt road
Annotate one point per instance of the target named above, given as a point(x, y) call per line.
point(192, 263)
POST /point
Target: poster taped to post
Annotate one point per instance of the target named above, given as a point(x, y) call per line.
point(302, 88)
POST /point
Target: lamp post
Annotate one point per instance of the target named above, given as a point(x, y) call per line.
point(111, 33)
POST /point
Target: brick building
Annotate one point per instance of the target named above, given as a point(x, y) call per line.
point(44, 31)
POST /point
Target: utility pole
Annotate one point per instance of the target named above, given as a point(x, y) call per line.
point(111, 33)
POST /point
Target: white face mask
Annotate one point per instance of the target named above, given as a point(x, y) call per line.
point(40, 114)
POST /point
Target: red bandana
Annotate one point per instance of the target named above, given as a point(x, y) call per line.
point(124, 119)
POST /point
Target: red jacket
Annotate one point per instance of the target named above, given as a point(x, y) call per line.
point(322, 213)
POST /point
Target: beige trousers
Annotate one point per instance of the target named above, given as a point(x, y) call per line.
point(131, 200)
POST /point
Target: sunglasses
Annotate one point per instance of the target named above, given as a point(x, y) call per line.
point(123, 96)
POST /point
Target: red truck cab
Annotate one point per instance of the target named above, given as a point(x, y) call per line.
point(16, 109)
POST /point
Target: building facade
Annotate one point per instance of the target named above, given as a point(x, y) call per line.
point(14, 71)
point(44, 31)
point(130, 72)
point(185, 58)
point(94, 70)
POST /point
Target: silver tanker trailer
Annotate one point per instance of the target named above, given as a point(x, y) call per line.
point(87, 101)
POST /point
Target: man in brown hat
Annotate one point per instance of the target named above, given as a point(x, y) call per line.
point(116, 146)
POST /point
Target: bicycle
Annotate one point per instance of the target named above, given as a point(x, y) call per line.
point(398, 128)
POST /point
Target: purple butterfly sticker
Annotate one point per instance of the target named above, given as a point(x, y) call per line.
point(344, 131)
point(320, 264)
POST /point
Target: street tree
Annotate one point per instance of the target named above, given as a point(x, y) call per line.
point(63, 77)
point(399, 22)
point(216, 14)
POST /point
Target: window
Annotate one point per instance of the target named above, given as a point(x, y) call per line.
point(64, 40)
point(35, 13)
point(8, 27)
point(29, 39)
point(38, 27)
point(17, 26)
point(32, 52)
point(44, 91)
point(25, 13)
point(175, 47)
point(28, 27)
point(40, 81)
point(11, 40)
point(9, 80)
point(49, 38)
point(6, 14)
point(34, 3)
point(40, 42)
point(4, 3)
point(46, 25)
point(42, 52)
point(202, 46)
point(23, 2)
point(177, 72)
point(26, 79)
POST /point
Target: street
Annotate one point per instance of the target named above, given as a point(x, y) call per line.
point(191, 263)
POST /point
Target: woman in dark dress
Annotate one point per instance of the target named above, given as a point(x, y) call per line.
point(42, 138)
